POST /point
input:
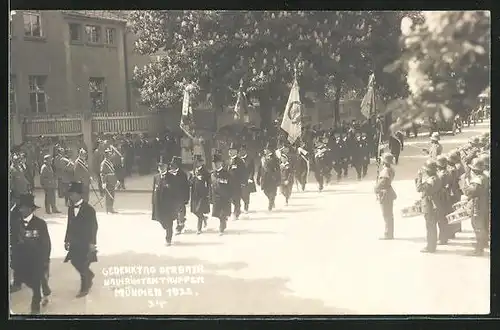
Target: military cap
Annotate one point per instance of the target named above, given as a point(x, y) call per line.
point(442, 161)
point(477, 165)
point(430, 166)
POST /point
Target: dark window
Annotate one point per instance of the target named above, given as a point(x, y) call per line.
point(38, 98)
point(97, 95)
point(110, 36)
point(75, 32)
point(32, 24)
point(93, 33)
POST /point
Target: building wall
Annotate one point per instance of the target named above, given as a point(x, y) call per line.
point(69, 65)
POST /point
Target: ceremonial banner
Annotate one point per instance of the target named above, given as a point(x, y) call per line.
point(292, 117)
point(187, 120)
point(241, 106)
point(368, 102)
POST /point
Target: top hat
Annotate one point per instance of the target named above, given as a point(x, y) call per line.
point(198, 158)
point(75, 187)
point(243, 146)
point(176, 160)
point(435, 136)
point(217, 158)
point(233, 146)
point(28, 201)
point(161, 162)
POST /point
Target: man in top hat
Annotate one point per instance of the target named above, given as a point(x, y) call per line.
point(81, 236)
point(386, 194)
point(429, 185)
point(237, 178)
point(286, 172)
point(33, 247)
point(48, 181)
point(360, 156)
point(435, 148)
point(476, 188)
point(164, 206)
point(269, 175)
point(200, 189)
point(220, 192)
point(248, 179)
point(108, 180)
point(82, 173)
point(180, 184)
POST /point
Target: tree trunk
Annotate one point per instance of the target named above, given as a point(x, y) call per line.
point(336, 102)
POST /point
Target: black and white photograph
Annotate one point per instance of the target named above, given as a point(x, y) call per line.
point(251, 162)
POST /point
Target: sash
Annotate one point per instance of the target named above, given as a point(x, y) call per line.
point(109, 165)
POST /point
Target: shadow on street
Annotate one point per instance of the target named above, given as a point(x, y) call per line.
point(216, 294)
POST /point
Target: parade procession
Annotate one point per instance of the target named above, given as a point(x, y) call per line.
point(368, 202)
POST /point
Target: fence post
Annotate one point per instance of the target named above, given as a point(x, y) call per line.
point(87, 136)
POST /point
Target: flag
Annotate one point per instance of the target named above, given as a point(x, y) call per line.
point(187, 121)
point(292, 117)
point(368, 102)
point(241, 106)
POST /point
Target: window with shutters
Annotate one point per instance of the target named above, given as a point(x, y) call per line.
point(38, 97)
point(93, 33)
point(97, 94)
point(110, 36)
point(32, 24)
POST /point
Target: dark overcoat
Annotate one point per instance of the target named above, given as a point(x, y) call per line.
point(200, 189)
point(81, 232)
point(220, 194)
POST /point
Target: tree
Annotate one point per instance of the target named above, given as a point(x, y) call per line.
point(447, 60)
point(215, 49)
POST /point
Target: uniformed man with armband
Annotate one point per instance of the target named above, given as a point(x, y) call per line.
point(445, 205)
point(386, 195)
point(428, 184)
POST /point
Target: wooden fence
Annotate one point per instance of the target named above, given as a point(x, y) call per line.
point(53, 125)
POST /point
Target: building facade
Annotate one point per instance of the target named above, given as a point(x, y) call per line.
point(72, 61)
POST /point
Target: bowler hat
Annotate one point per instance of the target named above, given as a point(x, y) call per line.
point(75, 187)
point(28, 201)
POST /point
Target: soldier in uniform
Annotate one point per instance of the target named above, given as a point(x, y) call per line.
point(48, 182)
point(286, 171)
point(300, 164)
point(119, 164)
point(237, 179)
point(248, 179)
point(33, 253)
point(456, 170)
point(82, 173)
point(64, 173)
point(445, 205)
point(27, 165)
point(109, 180)
point(200, 188)
point(220, 193)
point(435, 148)
point(386, 195)
point(396, 145)
point(180, 184)
point(268, 176)
point(427, 183)
point(322, 161)
point(81, 235)
point(476, 188)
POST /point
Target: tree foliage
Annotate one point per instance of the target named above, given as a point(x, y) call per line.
point(447, 61)
point(215, 49)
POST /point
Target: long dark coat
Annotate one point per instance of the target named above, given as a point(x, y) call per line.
point(200, 190)
point(249, 174)
point(81, 231)
point(268, 175)
point(220, 194)
point(32, 250)
point(165, 203)
point(237, 176)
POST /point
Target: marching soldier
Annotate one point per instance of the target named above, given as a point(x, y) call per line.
point(109, 180)
point(268, 176)
point(237, 175)
point(435, 148)
point(360, 157)
point(200, 189)
point(164, 206)
point(445, 205)
point(286, 171)
point(33, 253)
point(248, 179)
point(81, 235)
point(429, 186)
point(220, 193)
point(476, 189)
point(48, 182)
point(64, 173)
point(180, 185)
point(386, 194)
point(82, 173)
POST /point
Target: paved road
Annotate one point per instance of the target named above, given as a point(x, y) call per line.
point(319, 255)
